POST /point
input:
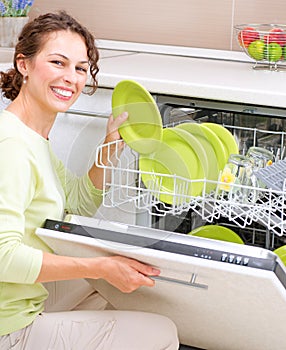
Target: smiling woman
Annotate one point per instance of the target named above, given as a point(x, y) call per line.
point(53, 79)
point(52, 59)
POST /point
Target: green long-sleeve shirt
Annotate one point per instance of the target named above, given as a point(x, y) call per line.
point(34, 186)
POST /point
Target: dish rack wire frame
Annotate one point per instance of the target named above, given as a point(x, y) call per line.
point(123, 185)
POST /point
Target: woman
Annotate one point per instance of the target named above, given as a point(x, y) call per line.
point(51, 62)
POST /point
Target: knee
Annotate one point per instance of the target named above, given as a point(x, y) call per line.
point(167, 333)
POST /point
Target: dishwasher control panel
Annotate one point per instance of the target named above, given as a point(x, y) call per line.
point(231, 258)
point(236, 259)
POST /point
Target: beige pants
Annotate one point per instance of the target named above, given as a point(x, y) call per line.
point(91, 329)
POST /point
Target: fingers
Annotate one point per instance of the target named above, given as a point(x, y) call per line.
point(114, 123)
point(121, 118)
point(144, 269)
point(136, 274)
point(142, 273)
point(137, 280)
point(112, 133)
point(147, 281)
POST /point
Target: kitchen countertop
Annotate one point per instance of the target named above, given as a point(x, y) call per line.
point(189, 72)
point(226, 76)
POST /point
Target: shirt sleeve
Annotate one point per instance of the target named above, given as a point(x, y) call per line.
point(82, 197)
point(19, 262)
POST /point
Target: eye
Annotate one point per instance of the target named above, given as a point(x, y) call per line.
point(81, 69)
point(57, 62)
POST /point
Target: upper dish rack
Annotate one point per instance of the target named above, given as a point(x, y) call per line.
point(123, 185)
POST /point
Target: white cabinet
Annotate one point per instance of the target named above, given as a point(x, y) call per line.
point(75, 137)
point(97, 104)
point(76, 133)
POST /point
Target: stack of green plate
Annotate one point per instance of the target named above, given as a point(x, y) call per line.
point(170, 157)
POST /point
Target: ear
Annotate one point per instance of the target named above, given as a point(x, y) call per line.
point(22, 64)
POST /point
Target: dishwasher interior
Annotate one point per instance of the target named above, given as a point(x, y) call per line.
point(251, 126)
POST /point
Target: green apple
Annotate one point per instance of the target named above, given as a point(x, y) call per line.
point(273, 52)
point(256, 50)
point(284, 53)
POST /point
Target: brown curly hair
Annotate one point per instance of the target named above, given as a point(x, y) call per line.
point(33, 38)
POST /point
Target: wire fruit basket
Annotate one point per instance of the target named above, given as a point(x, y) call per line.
point(123, 185)
point(264, 43)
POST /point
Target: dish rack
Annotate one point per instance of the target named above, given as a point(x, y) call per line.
point(123, 185)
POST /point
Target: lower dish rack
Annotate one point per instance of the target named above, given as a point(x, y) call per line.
point(123, 184)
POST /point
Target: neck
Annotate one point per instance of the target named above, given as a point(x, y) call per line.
point(37, 120)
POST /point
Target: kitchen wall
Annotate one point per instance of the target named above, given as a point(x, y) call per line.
point(196, 23)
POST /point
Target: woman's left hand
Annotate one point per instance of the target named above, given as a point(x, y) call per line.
point(112, 133)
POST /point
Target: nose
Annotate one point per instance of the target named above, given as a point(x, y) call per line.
point(70, 75)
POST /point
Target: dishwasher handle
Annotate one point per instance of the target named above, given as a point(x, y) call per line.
point(191, 283)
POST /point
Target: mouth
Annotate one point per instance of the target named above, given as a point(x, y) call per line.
point(62, 93)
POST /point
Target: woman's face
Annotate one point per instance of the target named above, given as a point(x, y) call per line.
point(57, 75)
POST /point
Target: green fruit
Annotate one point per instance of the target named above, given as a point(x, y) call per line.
point(273, 52)
point(284, 53)
point(256, 50)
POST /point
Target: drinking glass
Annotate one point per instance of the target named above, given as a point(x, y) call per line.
point(237, 178)
point(261, 158)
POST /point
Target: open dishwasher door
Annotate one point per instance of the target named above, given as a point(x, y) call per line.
point(221, 295)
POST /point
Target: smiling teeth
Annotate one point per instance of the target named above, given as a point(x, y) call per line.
point(64, 93)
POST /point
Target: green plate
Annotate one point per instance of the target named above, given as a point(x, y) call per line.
point(218, 147)
point(281, 252)
point(209, 155)
point(174, 156)
point(200, 168)
point(225, 136)
point(143, 128)
point(217, 232)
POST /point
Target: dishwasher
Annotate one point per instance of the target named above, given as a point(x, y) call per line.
point(221, 295)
